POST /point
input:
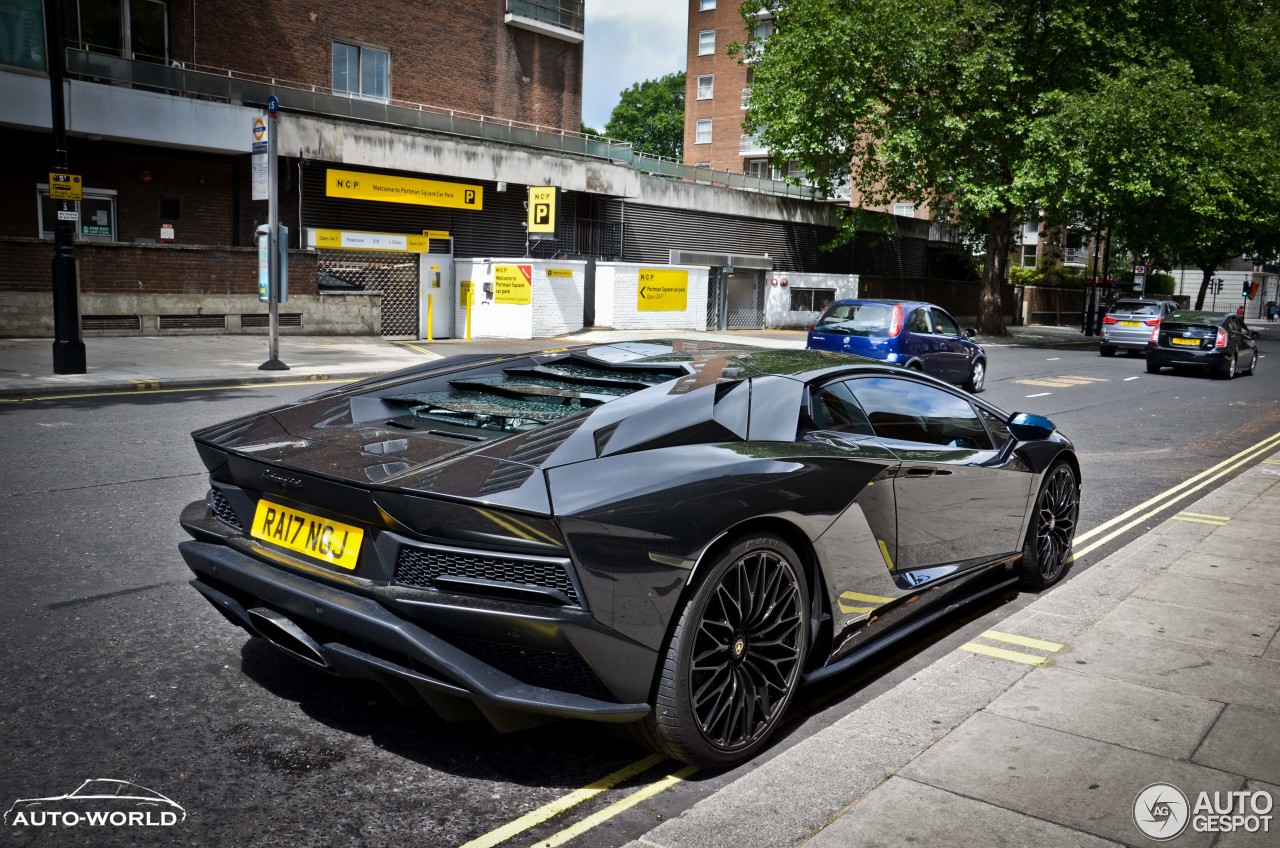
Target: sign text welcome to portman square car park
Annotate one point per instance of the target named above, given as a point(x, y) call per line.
point(358, 185)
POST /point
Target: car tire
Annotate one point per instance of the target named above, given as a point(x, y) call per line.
point(1047, 548)
point(747, 625)
point(1253, 365)
point(1229, 372)
point(1106, 350)
point(1152, 367)
point(977, 377)
point(1131, 352)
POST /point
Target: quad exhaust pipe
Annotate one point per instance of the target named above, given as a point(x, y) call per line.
point(282, 632)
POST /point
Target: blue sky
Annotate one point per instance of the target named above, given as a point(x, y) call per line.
point(627, 42)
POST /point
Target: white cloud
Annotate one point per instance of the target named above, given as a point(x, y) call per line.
point(626, 43)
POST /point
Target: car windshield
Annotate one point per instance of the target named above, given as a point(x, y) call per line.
point(1134, 307)
point(857, 319)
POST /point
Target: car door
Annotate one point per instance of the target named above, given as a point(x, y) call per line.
point(1242, 341)
point(922, 343)
point(960, 497)
point(953, 352)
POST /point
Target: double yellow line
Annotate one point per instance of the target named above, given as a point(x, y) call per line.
point(1149, 508)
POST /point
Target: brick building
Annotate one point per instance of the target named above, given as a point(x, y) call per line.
point(453, 110)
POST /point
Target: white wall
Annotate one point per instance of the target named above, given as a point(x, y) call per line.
point(777, 301)
point(618, 297)
point(555, 306)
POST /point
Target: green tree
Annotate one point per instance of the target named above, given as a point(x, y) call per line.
point(650, 115)
point(984, 107)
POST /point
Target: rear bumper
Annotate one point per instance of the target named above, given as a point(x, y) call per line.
point(1212, 359)
point(358, 636)
point(1126, 338)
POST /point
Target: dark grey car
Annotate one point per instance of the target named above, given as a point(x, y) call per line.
point(1129, 322)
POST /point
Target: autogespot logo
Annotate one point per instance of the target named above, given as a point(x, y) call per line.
point(98, 803)
point(1161, 811)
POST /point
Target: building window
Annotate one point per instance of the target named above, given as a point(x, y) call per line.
point(906, 210)
point(1029, 256)
point(706, 42)
point(706, 84)
point(361, 71)
point(702, 131)
point(811, 300)
point(760, 168)
point(706, 5)
point(134, 29)
point(22, 23)
point(97, 213)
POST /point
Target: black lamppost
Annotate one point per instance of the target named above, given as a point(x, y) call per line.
point(68, 344)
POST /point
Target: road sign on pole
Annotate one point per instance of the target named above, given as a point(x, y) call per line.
point(274, 246)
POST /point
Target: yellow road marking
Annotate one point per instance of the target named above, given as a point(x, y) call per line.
point(872, 599)
point(848, 609)
point(1238, 459)
point(1271, 462)
point(145, 385)
point(1205, 515)
point(1024, 641)
point(547, 811)
point(1199, 520)
point(1002, 654)
point(617, 807)
point(1063, 382)
point(319, 378)
point(419, 349)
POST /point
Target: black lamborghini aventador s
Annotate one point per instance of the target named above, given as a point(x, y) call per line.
point(674, 535)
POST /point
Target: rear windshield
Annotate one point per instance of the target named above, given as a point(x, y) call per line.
point(1195, 317)
point(1135, 308)
point(857, 319)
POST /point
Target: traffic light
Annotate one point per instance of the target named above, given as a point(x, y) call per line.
point(1245, 292)
point(1217, 285)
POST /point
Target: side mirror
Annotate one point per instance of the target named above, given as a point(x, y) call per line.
point(1026, 427)
point(971, 332)
point(1254, 334)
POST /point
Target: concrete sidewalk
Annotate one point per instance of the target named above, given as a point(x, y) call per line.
point(129, 363)
point(1160, 664)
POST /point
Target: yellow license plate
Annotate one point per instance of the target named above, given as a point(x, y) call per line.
point(321, 538)
point(1130, 323)
point(1187, 342)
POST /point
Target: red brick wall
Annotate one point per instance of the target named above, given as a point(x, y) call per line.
point(725, 107)
point(26, 265)
point(453, 54)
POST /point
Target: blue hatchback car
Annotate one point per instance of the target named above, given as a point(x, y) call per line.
point(918, 335)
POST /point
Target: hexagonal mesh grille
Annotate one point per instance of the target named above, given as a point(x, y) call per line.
point(564, 672)
point(222, 509)
point(421, 566)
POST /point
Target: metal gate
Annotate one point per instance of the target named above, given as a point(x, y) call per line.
point(745, 294)
point(393, 274)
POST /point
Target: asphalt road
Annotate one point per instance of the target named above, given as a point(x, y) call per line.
point(114, 668)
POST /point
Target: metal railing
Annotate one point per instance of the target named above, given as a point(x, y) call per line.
point(561, 13)
point(223, 85)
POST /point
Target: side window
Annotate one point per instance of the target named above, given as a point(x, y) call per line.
point(834, 408)
point(946, 326)
point(999, 429)
point(920, 321)
point(907, 411)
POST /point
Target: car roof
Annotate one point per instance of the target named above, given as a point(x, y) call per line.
point(887, 301)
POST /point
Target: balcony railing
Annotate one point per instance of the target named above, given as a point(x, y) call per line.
point(205, 83)
point(750, 145)
point(558, 18)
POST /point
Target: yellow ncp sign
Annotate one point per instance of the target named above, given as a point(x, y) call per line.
point(543, 203)
point(356, 185)
point(662, 290)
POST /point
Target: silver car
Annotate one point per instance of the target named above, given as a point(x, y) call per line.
point(1129, 322)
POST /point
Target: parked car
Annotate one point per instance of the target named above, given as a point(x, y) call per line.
point(1216, 341)
point(1127, 324)
point(671, 534)
point(920, 336)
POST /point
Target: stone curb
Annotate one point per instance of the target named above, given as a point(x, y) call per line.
point(143, 387)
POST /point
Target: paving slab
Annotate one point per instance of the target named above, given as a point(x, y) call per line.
point(1139, 717)
point(1260, 838)
point(1206, 628)
point(1240, 572)
point(1260, 603)
point(1176, 667)
point(1245, 741)
point(1059, 777)
point(903, 812)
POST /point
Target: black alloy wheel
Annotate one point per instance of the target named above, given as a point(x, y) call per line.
point(735, 657)
point(977, 377)
point(1253, 364)
point(1053, 526)
point(1229, 372)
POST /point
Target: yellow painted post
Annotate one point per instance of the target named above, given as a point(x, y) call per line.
point(468, 319)
point(430, 316)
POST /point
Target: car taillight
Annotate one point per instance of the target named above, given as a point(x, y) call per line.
point(895, 325)
point(1221, 341)
point(812, 326)
point(1153, 323)
point(1155, 332)
point(1107, 319)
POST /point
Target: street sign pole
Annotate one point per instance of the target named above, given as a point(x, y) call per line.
point(68, 343)
point(274, 247)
